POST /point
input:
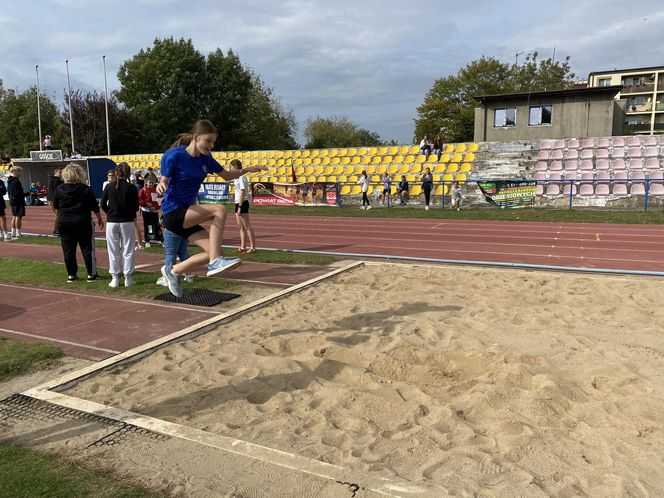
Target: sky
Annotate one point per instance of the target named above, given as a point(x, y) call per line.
point(369, 60)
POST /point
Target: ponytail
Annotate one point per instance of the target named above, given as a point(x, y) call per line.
point(122, 172)
point(202, 127)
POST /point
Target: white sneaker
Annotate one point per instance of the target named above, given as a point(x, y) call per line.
point(129, 280)
point(426, 208)
point(368, 207)
point(115, 282)
point(172, 280)
point(222, 264)
point(162, 281)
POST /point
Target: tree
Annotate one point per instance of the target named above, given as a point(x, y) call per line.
point(337, 131)
point(19, 130)
point(449, 107)
point(89, 114)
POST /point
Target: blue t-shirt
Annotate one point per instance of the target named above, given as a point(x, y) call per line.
point(186, 174)
point(387, 183)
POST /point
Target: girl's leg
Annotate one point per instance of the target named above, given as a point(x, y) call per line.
point(201, 239)
point(114, 243)
point(3, 224)
point(137, 232)
point(243, 234)
point(19, 222)
point(200, 213)
point(249, 229)
point(128, 248)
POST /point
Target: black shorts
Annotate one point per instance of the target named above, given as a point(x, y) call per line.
point(18, 211)
point(386, 190)
point(174, 221)
point(244, 208)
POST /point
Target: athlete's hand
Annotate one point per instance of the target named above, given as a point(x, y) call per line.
point(161, 189)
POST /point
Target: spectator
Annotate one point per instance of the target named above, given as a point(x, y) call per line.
point(33, 189)
point(457, 196)
point(438, 147)
point(304, 190)
point(110, 177)
point(425, 146)
point(387, 190)
point(4, 234)
point(16, 200)
point(427, 186)
point(47, 142)
point(402, 190)
point(242, 210)
point(151, 176)
point(73, 202)
point(41, 193)
point(147, 200)
point(120, 203)
point(53, 183)
point(364, 181)
point(140, 181)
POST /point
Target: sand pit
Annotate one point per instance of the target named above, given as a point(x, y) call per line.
point(495, 382)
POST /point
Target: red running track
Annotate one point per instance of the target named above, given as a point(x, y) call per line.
point(597, 246)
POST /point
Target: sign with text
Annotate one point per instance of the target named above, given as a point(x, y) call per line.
point(213, 193)
point(46, 155)
point(509, 193)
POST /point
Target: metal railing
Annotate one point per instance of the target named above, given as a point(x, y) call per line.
point(645, 87)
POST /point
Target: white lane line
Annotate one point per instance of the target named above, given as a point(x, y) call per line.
point(60, 341)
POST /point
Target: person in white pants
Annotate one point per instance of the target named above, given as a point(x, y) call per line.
point(120, 203)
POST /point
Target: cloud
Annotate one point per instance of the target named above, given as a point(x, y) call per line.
point(372, 60)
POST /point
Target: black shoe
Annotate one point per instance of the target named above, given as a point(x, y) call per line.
point(71, 279)
point(94, 278)
point(56, 233)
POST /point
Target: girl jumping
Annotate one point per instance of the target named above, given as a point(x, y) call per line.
point(184, 167)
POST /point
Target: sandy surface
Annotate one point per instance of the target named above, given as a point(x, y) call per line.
point(502, 382)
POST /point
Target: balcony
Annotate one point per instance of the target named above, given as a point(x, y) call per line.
point(659, 106)
point(659, 126)
point(647, 107)
point(660, 85)
point(645, 88)
point(636, 128)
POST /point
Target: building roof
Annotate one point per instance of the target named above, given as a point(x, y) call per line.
point(632, 70)
point(569, 92)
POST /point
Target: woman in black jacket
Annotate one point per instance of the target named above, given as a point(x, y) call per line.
point(16, 199)
point(73, 202)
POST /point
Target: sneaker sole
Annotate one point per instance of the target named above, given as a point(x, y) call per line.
point(225, 268)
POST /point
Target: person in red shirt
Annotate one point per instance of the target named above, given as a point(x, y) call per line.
point(147, 200)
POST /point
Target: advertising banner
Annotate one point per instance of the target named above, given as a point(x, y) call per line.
point(213, 193)
point(292, 194)
point(509, 193)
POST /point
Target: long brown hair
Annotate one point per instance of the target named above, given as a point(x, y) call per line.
point(202, 127)
point(122, 172)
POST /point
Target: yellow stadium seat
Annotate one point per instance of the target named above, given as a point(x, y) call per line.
point(448, 178)
point(366, 159)
point(339, 170)
point(382, 151)
point(329, 170)
point(311, 178)
point(452, 168)
point(461, 148)
point(415, 190)
point(299, 170)
point(421, 158)
point(343, 179)
point(469, 157)
point(386, 159)
point(335, 160)
point(370, 190)
point(353, 178)
point(461, 177)
point(414, 149)
point(439, 168)
point(345, 190)
point(416, 168)
point(473, 147)
point(326, 161)
point(381, 169)
point(356, 160)
point(375, 160)
point(314, 153)
point(375, 178)
point(321, 178)
point(404, 168)
point(372, 151)
point(306, 161)
point(457, 158)
point(324, 153)
point(409, 158)
point(393, 169)
point(288, 155)
point(345, 160)
point(348, 170)
point(370, 170)
point(449, 148)
point(393, 151)
point(309, 170)
point(398, 159)
point(332, 152)
point(352, 152)
point(306, 153)
point(361, 151)
point(444, 158)
point(317, 161)
point(332, 179)
point(411, 178)
point(465, 168)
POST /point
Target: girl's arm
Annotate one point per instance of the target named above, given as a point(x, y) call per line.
point(237, 173)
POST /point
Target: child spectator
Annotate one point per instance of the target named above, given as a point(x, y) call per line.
point(425, 146)
point(4, 234)
point(120, 203)
point(33, 189)
point(16, 200)
point(364, 181)
point(73, 202)
point(242, 210)
point(387, 190)
point(457, 196)
point(110, 177)
point(403, 190)
point(53, 183)
point(151, 176)
point(147, 200)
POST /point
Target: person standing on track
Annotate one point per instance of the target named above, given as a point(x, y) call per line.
point(427, 186)
point(364, 181)
point(16, 200)
point(4, 234)
point(53, 183)
point(242, 210)
point(120, 203)
point(184, 167)
point(73, 202)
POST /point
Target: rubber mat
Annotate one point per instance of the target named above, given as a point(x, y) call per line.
point(198, 297)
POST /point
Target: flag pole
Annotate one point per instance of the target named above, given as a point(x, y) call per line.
point(38, 108)
point(108, 130)
point(71, 120)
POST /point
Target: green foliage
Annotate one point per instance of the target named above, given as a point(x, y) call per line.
point(449, 108)
point(19, 130)
point(170, 85)
point(337, 131)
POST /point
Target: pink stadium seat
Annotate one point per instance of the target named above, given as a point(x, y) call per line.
point(557, 154)
point(652, 152)
point(637, 189)
point(656, 189)
point(635, 164)
point(559, 144)
point(586, 189)
point(571, 175)
point(652, 163)
point(603, 175)
point(657, 175)
point(587, 176)
point(566, 189)
point(572, 143)
point(620, 189)
point(541, 166)
point(553, 190)
point(556, 166)
point(602, 154)
point(603, 143)
point(572, 154)
point(602, 189)
point(637, 175)
point(539, 176)
point(618, 164)
point(539, 190)
point(588, 143)
point(587, 164)
point(571, 165)
point(546, 144)
point(618, 152)
point(602, 164)
point(650, 141)
point(555, 177)
point(543, 155)
point(620, 175)
point(586, 154)
point(633, 142)
point(618, 142)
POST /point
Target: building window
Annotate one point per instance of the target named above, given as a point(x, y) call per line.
point(605, 82)
point(540, 115)
point(504, 118)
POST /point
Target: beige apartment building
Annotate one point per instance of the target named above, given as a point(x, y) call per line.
point(643, 92)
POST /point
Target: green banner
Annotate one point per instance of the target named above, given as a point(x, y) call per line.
point(509, 193)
